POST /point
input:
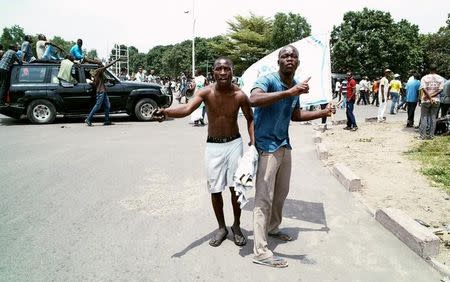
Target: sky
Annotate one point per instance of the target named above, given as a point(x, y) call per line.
point(145, 24)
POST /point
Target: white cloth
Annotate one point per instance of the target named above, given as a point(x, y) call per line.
point(221, 161)
point(244, 177)
point(197, 114)
point(65, 71)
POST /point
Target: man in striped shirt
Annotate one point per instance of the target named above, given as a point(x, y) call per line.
point(8, 59)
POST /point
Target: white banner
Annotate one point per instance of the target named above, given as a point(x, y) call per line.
point(314, 56)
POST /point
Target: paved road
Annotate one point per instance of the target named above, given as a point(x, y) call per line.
point(128, 202)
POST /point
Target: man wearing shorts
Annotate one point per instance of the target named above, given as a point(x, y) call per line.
point(222, 99)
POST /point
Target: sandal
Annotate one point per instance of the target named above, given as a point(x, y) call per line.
point(281, 236)
point(215, 242)
point(272, 261)
point(238, 238)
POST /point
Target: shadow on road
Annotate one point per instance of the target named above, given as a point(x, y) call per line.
point(293, 209)
point(206, 238)
point(301, 210)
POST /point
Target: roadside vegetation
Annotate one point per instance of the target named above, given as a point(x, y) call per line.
point(434, 155)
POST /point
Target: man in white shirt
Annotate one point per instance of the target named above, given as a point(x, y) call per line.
point(139, 76)
point(363, 91)
point(383, 91)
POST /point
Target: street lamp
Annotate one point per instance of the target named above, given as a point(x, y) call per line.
point(193, 36)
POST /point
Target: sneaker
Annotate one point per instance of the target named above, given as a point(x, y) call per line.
point(354, 128)
point(88, 122)
point(347, 128)
point(108, 123)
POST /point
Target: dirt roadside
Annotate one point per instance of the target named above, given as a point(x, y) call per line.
point(376, 153)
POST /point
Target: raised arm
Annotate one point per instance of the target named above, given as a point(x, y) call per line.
point(259, 98)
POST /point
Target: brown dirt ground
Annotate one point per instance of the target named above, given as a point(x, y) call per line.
point(376, 153)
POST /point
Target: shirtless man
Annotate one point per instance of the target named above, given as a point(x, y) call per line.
point(224, 144)
point(101, 97)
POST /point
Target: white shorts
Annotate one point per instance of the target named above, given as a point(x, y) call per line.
point(221, 161)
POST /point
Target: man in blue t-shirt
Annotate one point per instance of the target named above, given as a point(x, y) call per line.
point(276, 101)
point(412, 95)
point(77, 52)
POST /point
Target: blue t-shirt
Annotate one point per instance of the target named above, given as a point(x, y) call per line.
point(272, 122)
point(412, 88)
point(76, 52)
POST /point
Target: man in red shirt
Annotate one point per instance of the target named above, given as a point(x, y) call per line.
point(351, 98)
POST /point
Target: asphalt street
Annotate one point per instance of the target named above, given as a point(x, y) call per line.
point(129, 202)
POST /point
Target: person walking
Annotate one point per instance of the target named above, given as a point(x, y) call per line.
point(375, 86)
point(383, 92)
point(363, 91)
point(350, 105)
point(395, 86)
point(102, 98)
point(275, 97)
point(412, 96)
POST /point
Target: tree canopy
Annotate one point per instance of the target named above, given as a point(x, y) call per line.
point(366, 42)
point(369, 41)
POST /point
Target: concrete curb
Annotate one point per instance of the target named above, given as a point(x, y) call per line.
point(417, 237)
point(347, 177)
point(322, 151)
point(442, 268)
point(425, 247)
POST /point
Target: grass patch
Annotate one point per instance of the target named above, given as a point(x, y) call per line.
point(434, 155)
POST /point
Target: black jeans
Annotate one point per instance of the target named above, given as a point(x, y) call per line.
point(411, 110)
point(362, 96)
point(375, 98)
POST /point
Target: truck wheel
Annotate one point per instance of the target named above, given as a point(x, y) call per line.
point(144, 108)
point(41, 111)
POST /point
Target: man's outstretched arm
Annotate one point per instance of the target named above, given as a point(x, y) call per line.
point(181, 111)
point(302, 115)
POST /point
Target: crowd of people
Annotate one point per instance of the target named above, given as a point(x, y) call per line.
point(430, 92)
point(276, 101)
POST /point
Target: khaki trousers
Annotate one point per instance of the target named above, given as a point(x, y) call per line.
point(272, 188)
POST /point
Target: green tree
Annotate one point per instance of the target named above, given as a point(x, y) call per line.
point(247, 42)
point(368, 41)
point(136, 59)
point(288, 28)
point(92, 54)
point(155, 61)
point(437, 50)
point(12, 35)
point(65, 45)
